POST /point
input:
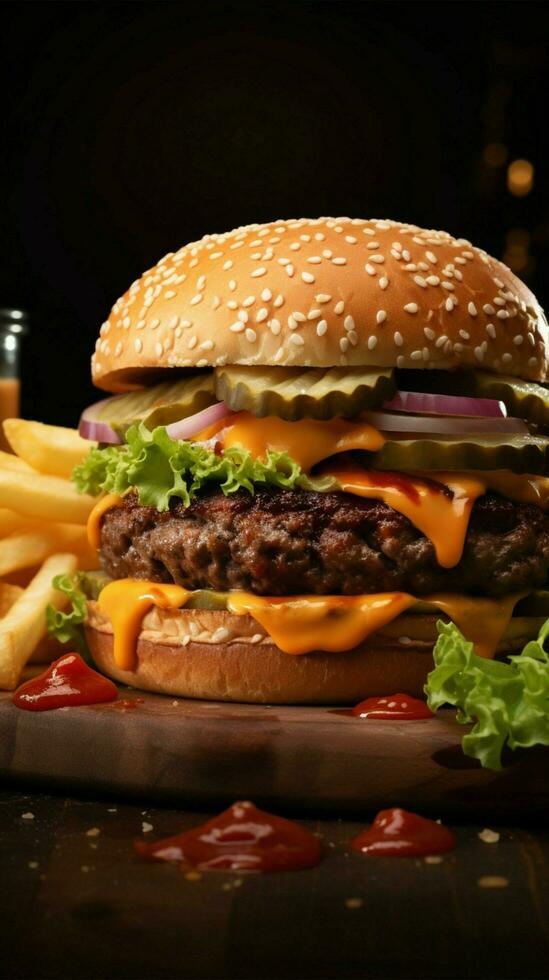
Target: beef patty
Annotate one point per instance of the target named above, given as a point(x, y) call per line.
point(286, 542)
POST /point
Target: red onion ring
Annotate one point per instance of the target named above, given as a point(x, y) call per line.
point(418, 402)
point(186, 428)
point(443, 424)
point(90, 427)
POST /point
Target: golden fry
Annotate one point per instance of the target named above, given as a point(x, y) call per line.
point(8, 595)
point(50, 449)
point(48, 498)
point(10, 462)
point(12, 523)
point(25, 623)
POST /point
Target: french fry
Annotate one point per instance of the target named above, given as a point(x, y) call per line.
point(50, 449)
point(10, 462)
point(48, 498)
point(8, 595)
point(25, 623)
point(12, 523)
point(32, 547)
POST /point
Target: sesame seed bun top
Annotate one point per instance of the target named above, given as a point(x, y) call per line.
point(324, 292)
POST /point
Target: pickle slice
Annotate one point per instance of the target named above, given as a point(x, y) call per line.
point(160, 405)
point(520, 454)
point(525, 399)
point(296, 393)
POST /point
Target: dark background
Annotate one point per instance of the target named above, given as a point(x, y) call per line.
point(131, 128)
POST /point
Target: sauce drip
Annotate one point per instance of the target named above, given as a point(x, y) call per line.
point(394, 707)
point(93, 527)
point(399, 833)
point(126, 601)
point(67, 682)
point(241, 838)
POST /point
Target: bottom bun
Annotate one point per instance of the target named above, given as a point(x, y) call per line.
point(217, 656)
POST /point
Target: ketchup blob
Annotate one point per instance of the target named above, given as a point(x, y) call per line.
point(241, 838)
point(399, 833)
point(394, 707)
point(67, 682)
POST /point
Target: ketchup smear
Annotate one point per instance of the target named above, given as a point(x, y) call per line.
point(241, 838)
point(67, 682)
point(399, 833)
point(394, 707)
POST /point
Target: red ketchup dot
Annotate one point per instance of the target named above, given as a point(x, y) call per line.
point(67, 682)
point(241, 838)
point(399, 833)
point(393, 707)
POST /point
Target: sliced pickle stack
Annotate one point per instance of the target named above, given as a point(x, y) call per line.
point(160, 405)
point(520, 454)
point(296, 393)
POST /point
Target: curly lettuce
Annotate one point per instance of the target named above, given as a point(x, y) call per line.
point(67, 626)
point(507, 702)
point(160, 468)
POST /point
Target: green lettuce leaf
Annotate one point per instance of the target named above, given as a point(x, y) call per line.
point(160, 468)
point(508, 702)
point(67, 626)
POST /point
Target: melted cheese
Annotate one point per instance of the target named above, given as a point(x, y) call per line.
point(104, 504)
point(442, 517)
point(302, 624)
point(126, 601)
point(308, 441)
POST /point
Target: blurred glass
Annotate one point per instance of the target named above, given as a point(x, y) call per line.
point(13, 326)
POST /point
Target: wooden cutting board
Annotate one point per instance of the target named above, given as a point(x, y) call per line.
point(312, 759)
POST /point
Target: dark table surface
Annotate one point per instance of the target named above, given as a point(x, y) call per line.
point(76, 904)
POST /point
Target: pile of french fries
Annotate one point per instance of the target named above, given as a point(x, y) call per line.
point(42, 534)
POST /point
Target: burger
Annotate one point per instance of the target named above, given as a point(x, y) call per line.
point(322, 436)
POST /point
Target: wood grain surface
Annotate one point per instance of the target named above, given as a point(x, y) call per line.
point(75, 906)
point(311, 758)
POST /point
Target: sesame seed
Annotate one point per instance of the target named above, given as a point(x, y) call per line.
point(321, 328)
point(383, 282)
point(344, 344)
point(292, 322)
point(314, 259)
point(372, 342)
point(216, 303)
point(242, 315)
point(518, 340)
point(429, 333)
point(258, 272)
point(472, 309)
point(411, 307)
point(353, 337)
point(275, 326)
point(126, 322)
point(448, 285)
point(300, 317)
point(372, 245)
point(396, 255)
point(206, 345)
point(499, 301)
point(283, 261)
point(479, 353)
point(307, 277)
point(349, 323)
point(158, 349)
point(351, 239)
point(327, 253)
point(320, 237)
point(290, 270)
point(266, 295)
point(401, 361)
point(251, 335)
point(381, 316)
point(340, 261)
point(464, 335)
point(368, 231)
point(441, 341)
point(154, 323)
point(398, 338)
point(433, 280)
point(323, 298)
point(232, 285)
point(449, 304)
point(237, 327)
point(295, 246)
point(491, 330)
point(249, 301)
point(532, 361)
point(420, 281)
point(296, 339)
point(173, 322)
point(226, 265)
point(263, 313)
point(378, 259)
point(416, 355)
point(314, 314)
point(410, 267)
point(196, 299)
point(277, 303)
point(370, 269)
point(339, 307)
point(138, 345)
point(502, 314)
point(118, 349)
point(170, 293)
point(498, 282)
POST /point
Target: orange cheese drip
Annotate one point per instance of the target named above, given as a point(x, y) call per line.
point(302, 624)
point(104, 504)
point(441, 517)
point(308, 441)
point(126, 601)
